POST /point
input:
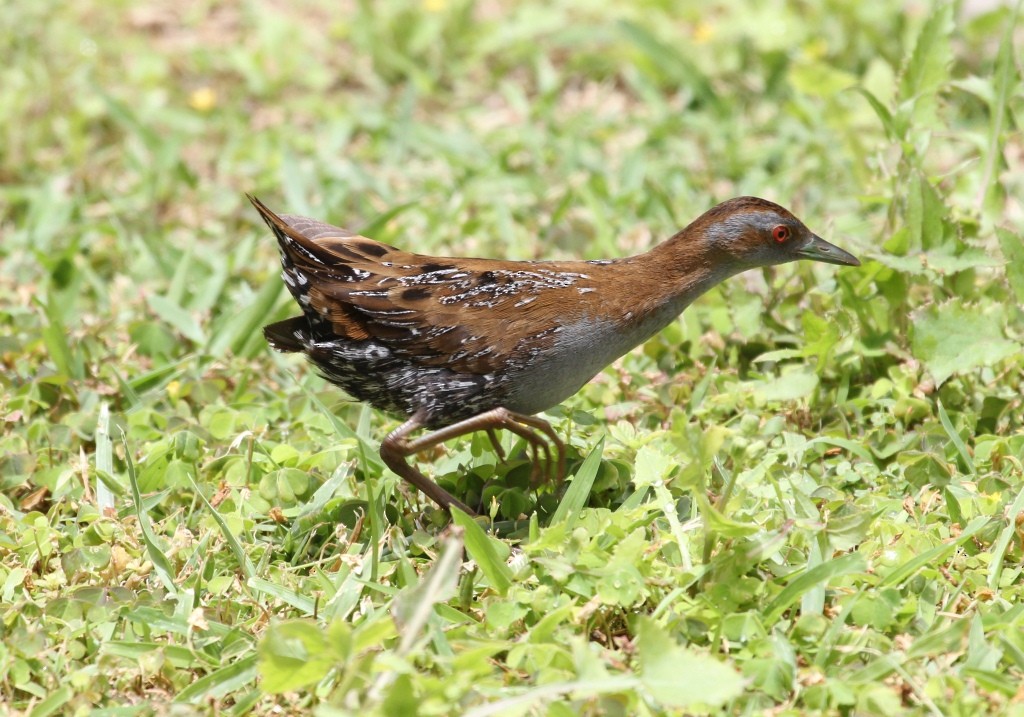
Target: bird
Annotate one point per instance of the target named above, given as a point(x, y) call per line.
point(458, 345)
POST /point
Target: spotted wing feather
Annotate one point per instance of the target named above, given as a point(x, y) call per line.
point(426, 309)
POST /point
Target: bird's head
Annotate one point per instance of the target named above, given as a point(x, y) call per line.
point(749, 232)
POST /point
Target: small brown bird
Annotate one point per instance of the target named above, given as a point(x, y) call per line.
point(463, 345)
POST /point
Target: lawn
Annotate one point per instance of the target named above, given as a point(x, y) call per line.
point(806, 496)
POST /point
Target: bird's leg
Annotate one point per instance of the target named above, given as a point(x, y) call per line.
point(397, 447)
point(535, 462)
point(544, 427)
point(534, 453)
point(536, 445)
point(495, 444)
point(529, 429)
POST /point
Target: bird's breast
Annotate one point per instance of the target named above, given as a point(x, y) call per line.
point(545, 376)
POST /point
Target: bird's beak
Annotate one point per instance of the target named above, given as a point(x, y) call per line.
point(820, 250)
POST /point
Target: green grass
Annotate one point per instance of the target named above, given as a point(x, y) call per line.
point(806, 496)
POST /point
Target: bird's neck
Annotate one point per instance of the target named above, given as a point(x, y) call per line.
point(667, 279)
point(684, 267)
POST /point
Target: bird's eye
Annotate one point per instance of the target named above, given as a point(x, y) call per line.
point(780, 233)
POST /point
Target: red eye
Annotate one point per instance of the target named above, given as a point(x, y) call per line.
point(780, 233)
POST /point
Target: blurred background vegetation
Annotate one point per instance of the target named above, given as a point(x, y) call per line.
point(806, 492)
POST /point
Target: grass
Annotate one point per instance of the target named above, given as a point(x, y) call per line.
point(805, 496)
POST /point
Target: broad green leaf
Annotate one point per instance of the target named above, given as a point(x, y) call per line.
point(720, 523)
point(677, 677)
point(872, 611)
point(881, 111)
point(791, 384)
point(293, 654)
point(651, 466)
point(400, 699)
point(952, 338)
point(921, 469)
point(820, 79)
point(858, 449)
point(822, 334)
point(981, 654)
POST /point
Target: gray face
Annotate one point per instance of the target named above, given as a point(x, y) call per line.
point(766, 237)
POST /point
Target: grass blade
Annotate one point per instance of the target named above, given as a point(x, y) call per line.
point(223, 681)
point(415, 605)
point(248, 569)
point(576, 496)
point(302, 603)
point(1007, 534)
point(104, 460)
point(1005, 79)
point(177, 317)
point(482, 550)
point(954, 437)
point(935, 555)
point(233, 331)
point(161, 564)
point(845, 565)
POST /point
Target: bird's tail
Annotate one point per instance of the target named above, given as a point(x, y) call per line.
point(290, 335)
point(296, 247)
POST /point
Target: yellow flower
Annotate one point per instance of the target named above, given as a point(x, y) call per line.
point(703, 32)
point(203, 99)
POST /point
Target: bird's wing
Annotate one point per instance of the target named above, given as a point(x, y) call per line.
point(470, 315)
